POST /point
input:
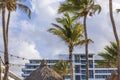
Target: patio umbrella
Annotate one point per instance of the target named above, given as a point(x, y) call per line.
point(44, 73)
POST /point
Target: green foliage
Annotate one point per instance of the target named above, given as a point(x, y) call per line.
point(109, 56)
point(12, 5)
point(118, 10)
point(62, 68)
point(80, 7)
point(68, 30)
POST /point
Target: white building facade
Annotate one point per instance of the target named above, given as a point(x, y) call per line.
point(79, 63)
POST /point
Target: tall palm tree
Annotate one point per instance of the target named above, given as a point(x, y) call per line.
point(70, 33)
point(62, 68)
point(81, 8)
point(10, 5)
point(115, 35)
point(109, 59)
point(109, 56)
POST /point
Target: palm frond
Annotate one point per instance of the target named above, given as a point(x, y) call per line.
point(118, 10)
point(62, 67)
point(59, 20)
point(77, 32)
point(58, 27)
point(1, 6)
point(68, 8)
point(81, 42)
point(96, 8)
point(69, 31)
point(74, 18)
point(81, 7)
point(110, 55)
point(59, 33)
point(25, 9)
point(103, 63)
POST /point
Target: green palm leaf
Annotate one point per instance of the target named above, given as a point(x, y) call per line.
point(109, 56)
point(62, 68)
point(25, 9)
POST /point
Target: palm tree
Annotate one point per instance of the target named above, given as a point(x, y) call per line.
point(70, 33)
point(109, 56)
point(62, 68)
point(109, 59)
point(81, 8)
point(10, 5)
point(115, 35)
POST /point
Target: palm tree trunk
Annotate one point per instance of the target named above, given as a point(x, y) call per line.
point(8, 21)
point(86, 47)
point(71, 64)
point(115, 35)
point(6, 59)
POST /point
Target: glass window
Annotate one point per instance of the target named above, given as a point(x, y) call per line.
point(77, 58)
point(77, 68)
point(90, 56)
point(77, 77)
point(101, 76)
point(83, 76)
point(83, 57)
point(83, 71)
point(83, 61)
point(83, 66)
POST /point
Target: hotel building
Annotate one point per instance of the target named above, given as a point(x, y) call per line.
point(79, 63)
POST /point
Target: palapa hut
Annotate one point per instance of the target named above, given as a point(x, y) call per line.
point(44, 73)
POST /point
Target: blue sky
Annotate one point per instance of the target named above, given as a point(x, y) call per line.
point(29, 37)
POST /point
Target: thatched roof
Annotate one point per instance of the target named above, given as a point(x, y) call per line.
point(44, 73)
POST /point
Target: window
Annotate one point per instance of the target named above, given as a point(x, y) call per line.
point(91, 74)
point(34, 61)
point(83, 57)
point(83, 66)
point(77, 58)
point(83, 61)
point(90, 65)
point(77, 68)
point(83, 71)
point(83, 76)
point(77, 77)
point(102, 71)
point(101, 76)
point(90, 56)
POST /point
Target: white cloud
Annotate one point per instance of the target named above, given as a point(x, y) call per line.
point(45, 9)
point(24, 49)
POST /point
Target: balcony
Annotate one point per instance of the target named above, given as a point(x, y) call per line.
point(25, 75)
point(26, 69)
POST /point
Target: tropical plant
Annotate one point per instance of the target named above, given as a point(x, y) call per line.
point(109, 56)
point(115, 35)
point(9, 5)
point(81, 8)
point(62, 68)
point(70, 32)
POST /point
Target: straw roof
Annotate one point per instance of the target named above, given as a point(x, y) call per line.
point(44, 73)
